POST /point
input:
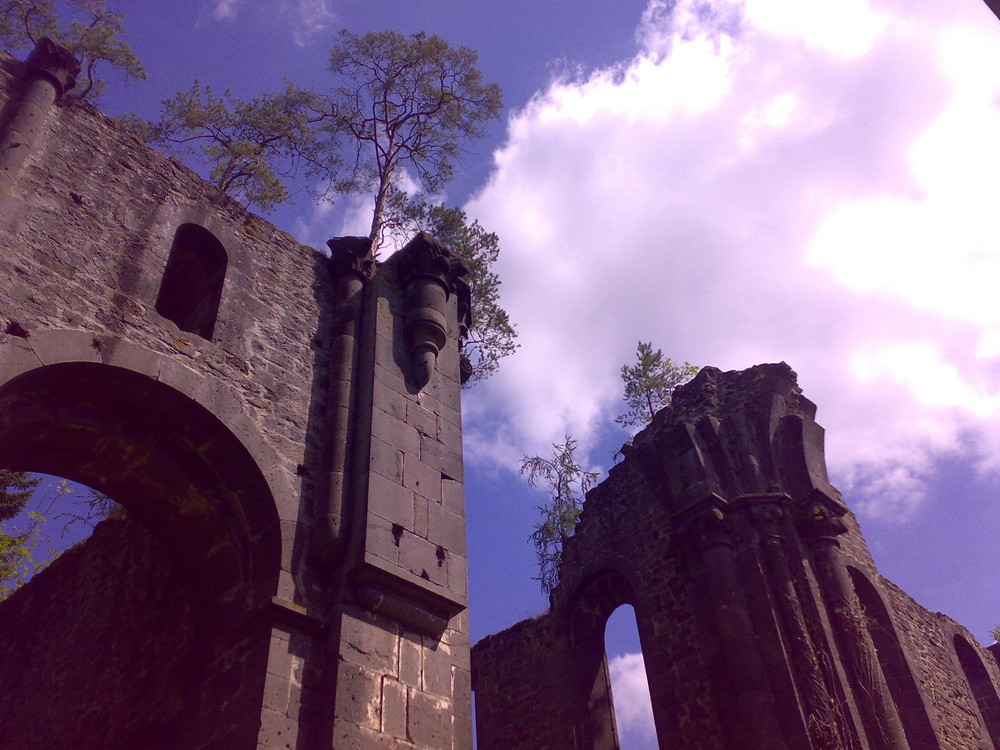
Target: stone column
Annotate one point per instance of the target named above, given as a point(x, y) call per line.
point(822, 724)
point(752, 709)
point(353, 265)
point(51, 72)
point(821, 524)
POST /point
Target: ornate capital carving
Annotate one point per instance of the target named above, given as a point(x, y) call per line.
point(706, 524)
point(430, 275)
point(820, 518)
point(54, 63)
point(768, 511)
point(352, 255)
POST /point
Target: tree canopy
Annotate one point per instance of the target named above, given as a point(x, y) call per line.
point(251, 147)
point(16, 544)
point(87, 28)
point(567, 484)
point(401, 103)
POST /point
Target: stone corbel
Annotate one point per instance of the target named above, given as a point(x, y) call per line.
point(820, 517)
point(430, 276)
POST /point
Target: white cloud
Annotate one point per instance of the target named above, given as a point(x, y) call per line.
point(225, 10)
point(776, 187)
point(308, 18)
point(633, 708)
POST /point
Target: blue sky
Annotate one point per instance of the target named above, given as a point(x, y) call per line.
point(737, 182)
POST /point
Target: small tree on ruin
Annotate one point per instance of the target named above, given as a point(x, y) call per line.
point(567, 484)
point(250, 146)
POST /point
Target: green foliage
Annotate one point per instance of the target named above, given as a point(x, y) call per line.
point(649, 384)
point(24, 513)
point(87, 28)
point(995, 634)
point(567, 484)
point(401, 103)
point(249, 146)
point(492, 335)
point(16, 544)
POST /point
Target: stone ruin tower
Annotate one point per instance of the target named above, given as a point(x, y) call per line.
point(283, 429)
point(763, 622)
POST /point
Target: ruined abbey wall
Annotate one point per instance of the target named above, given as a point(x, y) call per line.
point(130, 634)
point(285, 424)
point(763, 620)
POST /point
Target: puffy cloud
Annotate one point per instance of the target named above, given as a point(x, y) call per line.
point(761, 183)
point(633, 708)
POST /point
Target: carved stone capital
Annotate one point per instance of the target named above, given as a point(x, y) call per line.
point(352, 255)
point(820, 518)
point(54, 63)
point(768, 511)
point(706, 524)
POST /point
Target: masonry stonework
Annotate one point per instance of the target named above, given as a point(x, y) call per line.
point(283, 428)
point(763, 621)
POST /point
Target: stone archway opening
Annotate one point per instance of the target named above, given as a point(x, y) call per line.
point(151, 620)
point(604, 597)
point(629, 687)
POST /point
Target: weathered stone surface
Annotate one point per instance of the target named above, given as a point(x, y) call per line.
point(274, 443)
point(758, 605)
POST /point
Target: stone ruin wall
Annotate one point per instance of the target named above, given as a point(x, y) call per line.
point(633, 546)
point(86, 235)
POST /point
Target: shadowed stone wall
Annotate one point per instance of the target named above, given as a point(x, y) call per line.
point(121, 576)
point(762, 618)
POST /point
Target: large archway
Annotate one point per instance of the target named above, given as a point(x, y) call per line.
point(201, 499)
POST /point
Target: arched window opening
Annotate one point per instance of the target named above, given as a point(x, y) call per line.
point(192, 281)
point(633, 711)
point(602, 629)
point(982, 688)
point(895, 666)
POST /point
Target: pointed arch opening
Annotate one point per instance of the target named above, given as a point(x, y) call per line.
point(983, 690)
point(633, 710)
point(601, 597)
point(895, 666)
point(191, 288)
